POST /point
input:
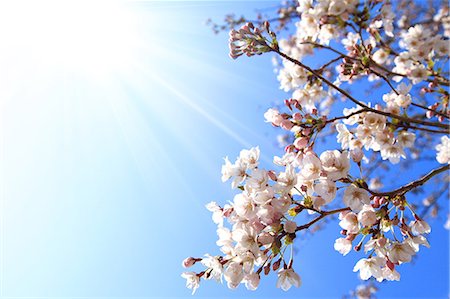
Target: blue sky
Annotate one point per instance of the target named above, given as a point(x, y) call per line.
point(114, 123)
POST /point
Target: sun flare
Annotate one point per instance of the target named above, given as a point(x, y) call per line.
point(94, 38)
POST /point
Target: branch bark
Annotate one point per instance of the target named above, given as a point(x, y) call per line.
point(354, 100)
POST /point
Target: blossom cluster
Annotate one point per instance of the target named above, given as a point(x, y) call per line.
point(273, 206)
point(261, 221)
point(443, 150)
point(376, 220)
point(248, 40)
point(373, 133)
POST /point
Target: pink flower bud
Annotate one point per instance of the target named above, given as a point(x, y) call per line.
point(376, 202)
point(289, 148)
point(189, 262)
point(227, 212)
point(288, 104)
point(297, 116)
point(272, 175)
point(390, 265)
point(357, 155)
point(276, 265)
point(286, 124)
point(306, 131)
point(267, 269)
point(301, 142)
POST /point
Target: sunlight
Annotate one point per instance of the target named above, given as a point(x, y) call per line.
point(92, 38)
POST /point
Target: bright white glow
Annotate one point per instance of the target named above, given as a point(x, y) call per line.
point(94, 38)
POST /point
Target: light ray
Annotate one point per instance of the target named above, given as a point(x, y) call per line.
point(146, 149)
point(215, 121)
point(190, 103)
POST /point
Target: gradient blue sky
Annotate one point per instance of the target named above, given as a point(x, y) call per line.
point(114, 122)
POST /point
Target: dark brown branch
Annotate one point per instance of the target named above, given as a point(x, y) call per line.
point(429, 109)
point(346, 116)
point(412, 185)
point(351, 98)
point(323, 214)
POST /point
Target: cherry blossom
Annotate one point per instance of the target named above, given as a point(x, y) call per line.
point(288, 278)
point(402, 55)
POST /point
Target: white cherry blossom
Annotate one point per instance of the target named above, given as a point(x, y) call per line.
point(343, 246)
point(192, 280)
point(369, 267)
point(288, 278)
point(355, 198)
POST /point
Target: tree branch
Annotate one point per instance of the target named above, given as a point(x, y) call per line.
point(323, 214)
point(351, 98)
point(411, 185)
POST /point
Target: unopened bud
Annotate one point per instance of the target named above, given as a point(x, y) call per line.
point(267, 269)
point(286, 124)
point(306, 131)
point(357, 155)
point(301, 142)
point(189, 262)
point(288, 104)
point(376, 201)
point(227, 212)
point(289, 148)
point(390, 265)
point(276, 265)
point(376, 204)
point(297, 116)
point(272, 175)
